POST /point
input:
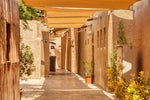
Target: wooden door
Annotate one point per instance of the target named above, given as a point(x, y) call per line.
point(52, 63)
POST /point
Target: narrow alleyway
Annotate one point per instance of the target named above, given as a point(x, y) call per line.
point(62, 86)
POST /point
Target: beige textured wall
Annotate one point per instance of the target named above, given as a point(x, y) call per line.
point(141, 35)
point(101, 52)
point(74, 50)
point(58, 58)
point(34, 36)
point(136, 28)
point(66, 50)
point(107, 21)
point(126, 17)
point(85, 49)
point(129, 61)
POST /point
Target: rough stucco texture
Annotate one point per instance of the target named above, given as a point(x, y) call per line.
point(141, 35)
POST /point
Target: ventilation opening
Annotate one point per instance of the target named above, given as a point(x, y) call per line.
point(104, 37)
point(101, 44)
point(8, 32)
point(97, 39)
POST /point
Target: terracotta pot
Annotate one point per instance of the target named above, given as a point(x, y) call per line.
point(88, 79)
point(21, 93)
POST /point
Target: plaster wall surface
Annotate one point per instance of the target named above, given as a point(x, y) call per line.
point(85, 49)
point(104, 36)
point(100, 29)
point(74, 50)
point(141, 35)
point(136, 28)
point(38, 39)
point(66, 51)
point(32, 38)
point(126, 16)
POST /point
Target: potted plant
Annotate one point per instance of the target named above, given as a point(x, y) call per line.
point(21, 91)
point(88, 66)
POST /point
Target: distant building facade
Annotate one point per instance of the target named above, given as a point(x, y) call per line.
point(55, 52)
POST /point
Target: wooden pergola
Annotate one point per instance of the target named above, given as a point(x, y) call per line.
point(74, 13)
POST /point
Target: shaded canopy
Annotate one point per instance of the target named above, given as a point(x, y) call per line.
point(74, 13)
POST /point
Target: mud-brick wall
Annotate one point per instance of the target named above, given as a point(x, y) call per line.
point(105, 34)
point(74, 50)
point(100, 29)
point(108, 24)
point(84, 49)
point(141, 35)
point(32, 38)
point(63, 49)
point(9, 68)
point(66, 50)
point(126, 16)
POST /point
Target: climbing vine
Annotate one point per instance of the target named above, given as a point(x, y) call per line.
point(121, 34)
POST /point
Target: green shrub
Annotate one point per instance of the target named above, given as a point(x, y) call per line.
point(121, 34)
point(28, 13)
point(137, 89)
point(26, 61)
point(88, 67)
point(116, 83)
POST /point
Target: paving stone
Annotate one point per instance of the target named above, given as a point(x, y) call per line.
point(60, 86)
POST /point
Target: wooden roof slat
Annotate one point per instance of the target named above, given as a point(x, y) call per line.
point(67, 20)
point(63, 14)
point(74, 13)
point(110, 4)
point(66, 9)
point(65, 25)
